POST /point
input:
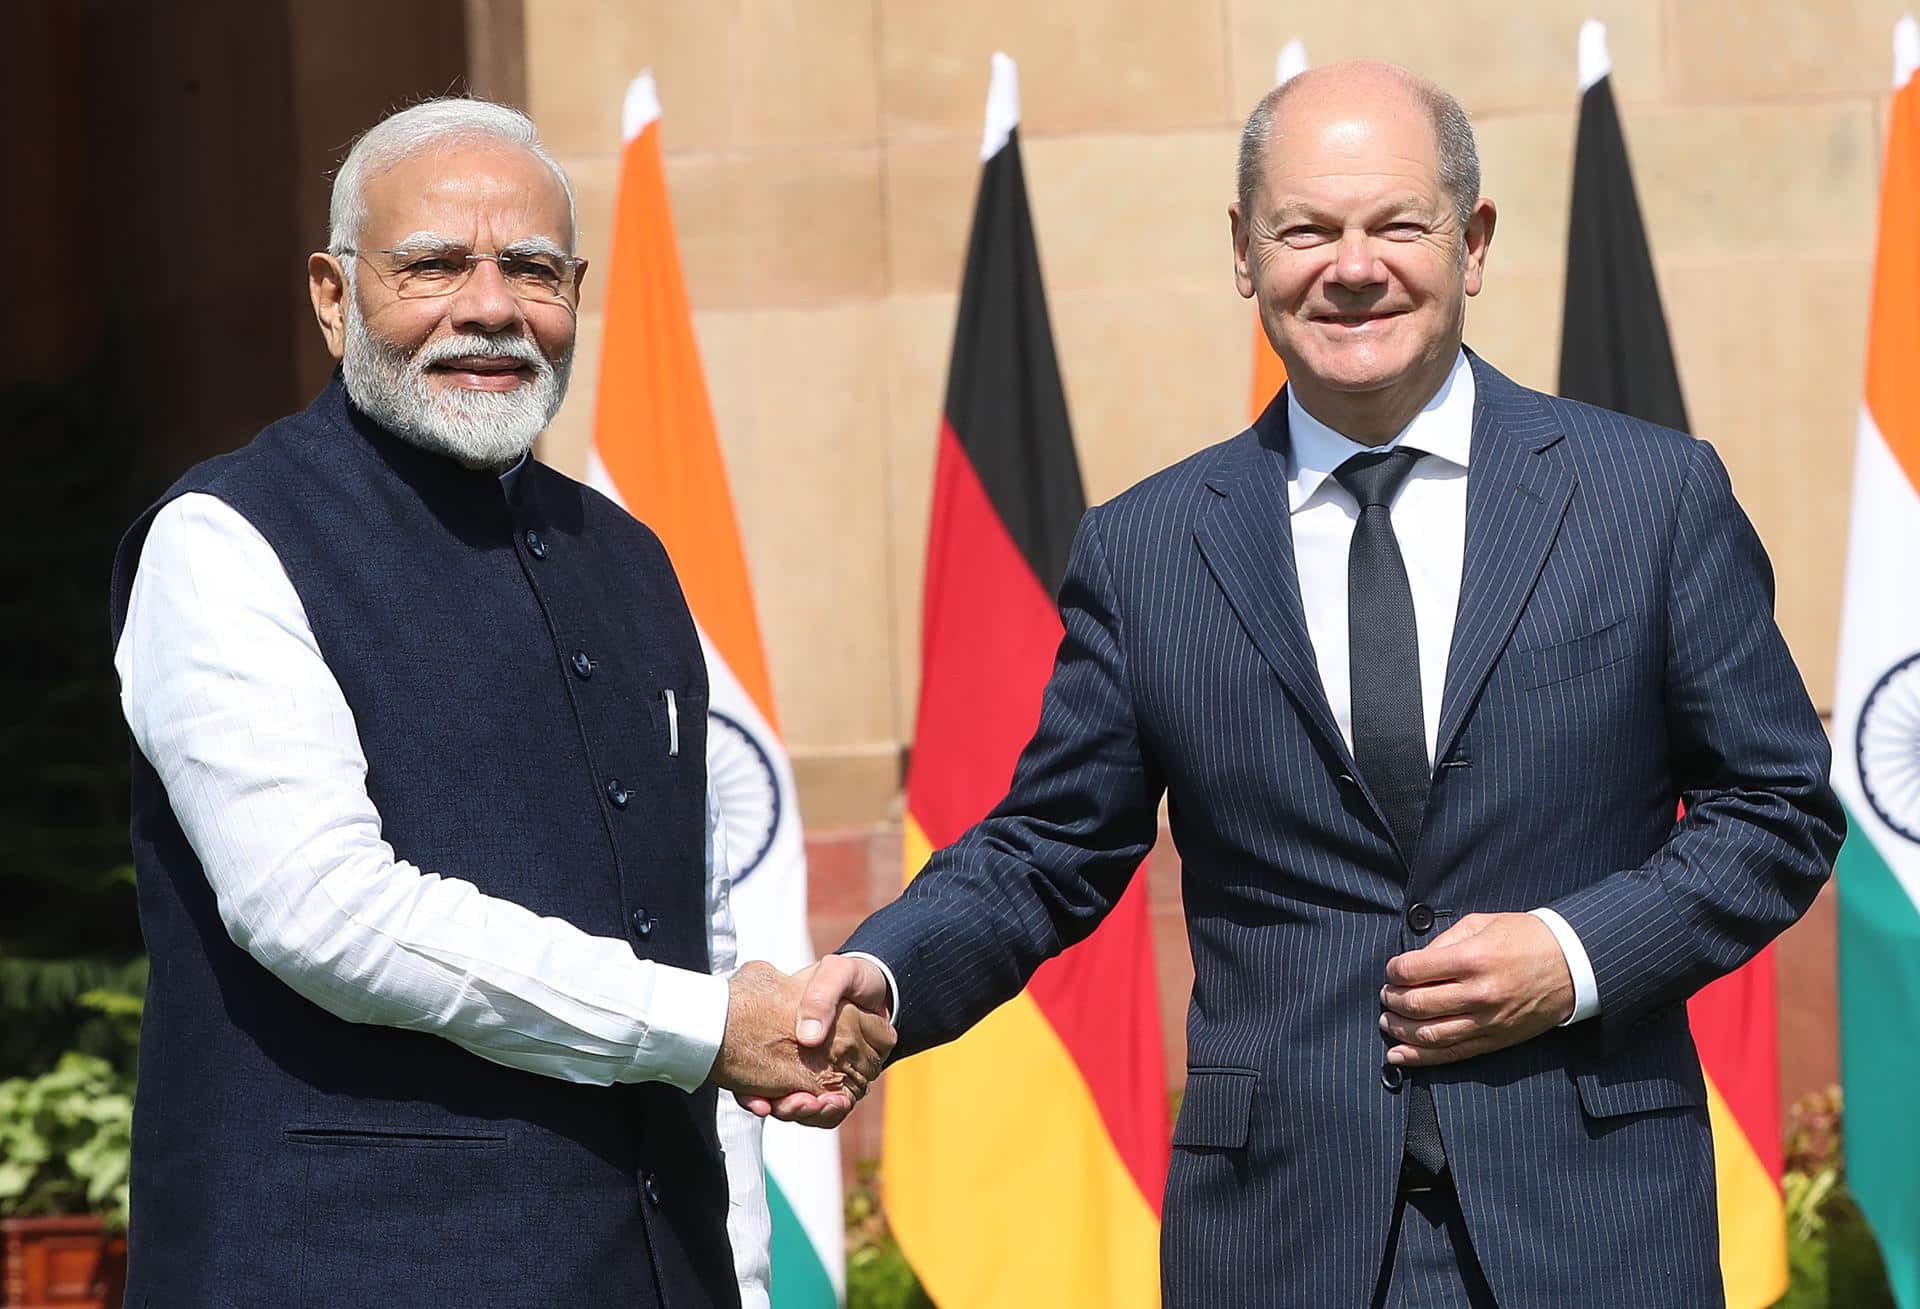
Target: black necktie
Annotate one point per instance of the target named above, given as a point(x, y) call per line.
point(1389, 727)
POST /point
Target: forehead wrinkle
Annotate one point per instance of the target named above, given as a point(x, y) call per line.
point(472, 187)
point(1338, 211)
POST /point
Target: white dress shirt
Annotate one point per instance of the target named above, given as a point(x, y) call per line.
point(227, 695)
point(1430, 522)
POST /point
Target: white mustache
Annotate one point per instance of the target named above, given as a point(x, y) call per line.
point(517, 348)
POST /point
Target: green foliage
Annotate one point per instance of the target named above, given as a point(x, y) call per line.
point(90, 1004)
point(878, 1276)
point(1832, 1259)
point(65, 1138)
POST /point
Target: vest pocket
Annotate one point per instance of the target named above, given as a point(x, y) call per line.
point(423, 1219)
point(1217, 1111)
point(378, 1138)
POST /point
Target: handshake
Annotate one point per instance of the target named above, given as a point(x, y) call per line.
point(805, 1048)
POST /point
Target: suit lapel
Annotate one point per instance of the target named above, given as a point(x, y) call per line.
point(1246, 538)
point(1516, 499)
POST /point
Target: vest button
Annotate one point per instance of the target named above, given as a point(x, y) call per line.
point(618, 795)
point(1420, 917)
point(535, 546)
point(1392, 1076)
point(582, 666)
point(644, 923)
point(651, 1186)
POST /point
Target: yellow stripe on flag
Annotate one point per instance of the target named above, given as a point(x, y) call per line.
point(987, 1214)
point(1753, 1216)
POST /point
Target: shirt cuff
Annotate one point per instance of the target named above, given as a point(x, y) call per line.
point(1586, 988)
point(893, 988)
point(686, 1021)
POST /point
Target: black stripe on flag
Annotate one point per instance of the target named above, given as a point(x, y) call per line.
point(1004, 398)
point(1614, 347)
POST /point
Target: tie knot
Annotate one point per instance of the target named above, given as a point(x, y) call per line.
point(1373, 477)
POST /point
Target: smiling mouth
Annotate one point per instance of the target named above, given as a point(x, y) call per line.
point(1356, 320)
point(487, 365)
point(483, 374)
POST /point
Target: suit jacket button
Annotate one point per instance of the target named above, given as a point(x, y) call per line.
point(1419, 917)
point(652, 1188)
point(1393, 1077)
point(535, 546)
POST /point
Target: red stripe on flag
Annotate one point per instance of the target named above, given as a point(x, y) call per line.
point(988, 637)
point(1735, 1030)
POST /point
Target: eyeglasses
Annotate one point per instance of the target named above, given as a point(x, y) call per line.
point(422, 274)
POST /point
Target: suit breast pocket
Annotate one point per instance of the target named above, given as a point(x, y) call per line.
point(1565, 660)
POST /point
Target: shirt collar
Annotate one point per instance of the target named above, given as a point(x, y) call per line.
point(1443, 429)
point(512, 475)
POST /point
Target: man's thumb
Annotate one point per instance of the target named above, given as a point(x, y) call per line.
point(831, 979)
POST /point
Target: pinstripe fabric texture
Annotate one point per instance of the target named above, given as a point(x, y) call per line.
point(1615, 650)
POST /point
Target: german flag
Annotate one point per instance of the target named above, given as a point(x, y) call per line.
point(1615, 352)
point(1051, 1197)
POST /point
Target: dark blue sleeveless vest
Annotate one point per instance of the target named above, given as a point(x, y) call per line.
point(506, 659)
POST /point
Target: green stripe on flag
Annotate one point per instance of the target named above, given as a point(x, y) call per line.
point(1879, 1056)
point(799, 1278)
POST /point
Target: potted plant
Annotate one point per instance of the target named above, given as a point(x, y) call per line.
point(64, 1142)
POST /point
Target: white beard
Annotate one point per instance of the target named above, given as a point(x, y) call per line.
point(480, 429)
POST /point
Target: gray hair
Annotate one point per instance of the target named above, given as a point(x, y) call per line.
point(448, 120)
point(1453, 136)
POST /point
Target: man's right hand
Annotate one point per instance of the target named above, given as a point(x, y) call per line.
point(837, 988)
point(763, 1061)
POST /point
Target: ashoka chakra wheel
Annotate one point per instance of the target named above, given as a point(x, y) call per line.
point(741, 774)
point(1887, 747)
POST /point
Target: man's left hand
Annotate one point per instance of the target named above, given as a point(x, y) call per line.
point(1487, 982)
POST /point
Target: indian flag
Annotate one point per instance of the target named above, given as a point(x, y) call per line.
point(1876, 725)
point(656, 452)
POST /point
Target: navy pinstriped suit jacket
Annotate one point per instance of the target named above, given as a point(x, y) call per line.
point(1615, 650)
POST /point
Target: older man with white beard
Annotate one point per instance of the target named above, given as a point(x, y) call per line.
point(420, 777)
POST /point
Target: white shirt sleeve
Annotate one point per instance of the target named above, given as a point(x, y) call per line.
point(1586, 987)
point(749, 1221)
point(227, 695)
